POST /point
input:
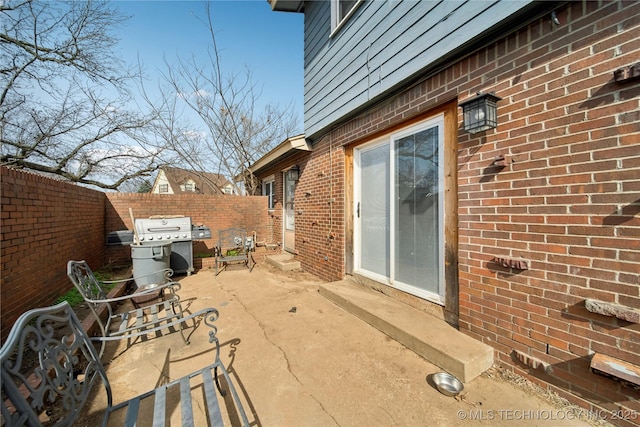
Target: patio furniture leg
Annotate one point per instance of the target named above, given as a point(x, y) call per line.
point(215, 375)
point(182, 325)
point(102, 346)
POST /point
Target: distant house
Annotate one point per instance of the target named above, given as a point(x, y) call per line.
point(524, 233)
point(176, 181)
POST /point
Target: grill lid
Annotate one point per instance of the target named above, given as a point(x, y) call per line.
point(164, 228)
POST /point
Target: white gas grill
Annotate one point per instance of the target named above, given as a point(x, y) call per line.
point(174, 229)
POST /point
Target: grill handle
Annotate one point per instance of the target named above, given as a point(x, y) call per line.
point(162, 229)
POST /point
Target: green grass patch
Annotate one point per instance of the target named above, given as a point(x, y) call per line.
point(204, 255)
point(74, 298)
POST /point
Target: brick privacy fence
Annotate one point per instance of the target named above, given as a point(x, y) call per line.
point(568, 201)
point(46, 222)
point(214, 211)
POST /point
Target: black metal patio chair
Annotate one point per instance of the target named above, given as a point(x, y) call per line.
point(234, 246)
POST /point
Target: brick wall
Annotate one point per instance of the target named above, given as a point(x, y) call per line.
point(214, 211)
point(44, 224)
point(302, 200)
point(319, 209)
point(568, 201)
point(320, 196)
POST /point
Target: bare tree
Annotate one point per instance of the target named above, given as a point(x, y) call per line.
point(239, 129)
point(66, 105)
point(64, 95)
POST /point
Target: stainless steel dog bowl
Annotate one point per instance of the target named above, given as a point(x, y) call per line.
point(447, 384)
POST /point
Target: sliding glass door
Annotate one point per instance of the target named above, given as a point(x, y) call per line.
point(399, 210)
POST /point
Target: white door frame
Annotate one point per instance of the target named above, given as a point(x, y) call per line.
point(288, 232)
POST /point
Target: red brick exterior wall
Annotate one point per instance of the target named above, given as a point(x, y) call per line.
point(567, 202)
point(45, 223)
point(320, 196)
point(277, 214)
point(319, 227)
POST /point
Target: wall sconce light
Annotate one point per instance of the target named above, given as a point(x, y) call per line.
point(293, 174)
point(480, 112)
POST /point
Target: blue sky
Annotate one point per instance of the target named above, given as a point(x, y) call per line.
point(248, 34)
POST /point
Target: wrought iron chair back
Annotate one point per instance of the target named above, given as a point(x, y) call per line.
point(49, 366)
point(89, 288)
point(95, 296)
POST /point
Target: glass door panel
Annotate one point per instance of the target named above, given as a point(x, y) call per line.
point(416, 209)
point(373, 210)
point(289, 214)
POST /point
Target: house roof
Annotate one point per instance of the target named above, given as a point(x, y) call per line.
point(286, 148)
point(286, 5)
point(205, 182)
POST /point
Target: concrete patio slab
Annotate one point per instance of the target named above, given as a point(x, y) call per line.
point(300, 360)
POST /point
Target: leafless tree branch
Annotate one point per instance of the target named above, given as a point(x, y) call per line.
point(65, 103)
point(239, 129)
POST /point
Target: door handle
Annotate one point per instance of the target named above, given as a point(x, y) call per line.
point(358, 210)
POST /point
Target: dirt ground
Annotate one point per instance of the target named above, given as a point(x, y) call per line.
point(299, 360)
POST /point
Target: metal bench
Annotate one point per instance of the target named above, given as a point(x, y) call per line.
point(49, 368)
point(157, 308)
point(233, 247)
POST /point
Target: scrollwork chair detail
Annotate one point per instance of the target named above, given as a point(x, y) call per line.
point(49, 368)
point(163, 315)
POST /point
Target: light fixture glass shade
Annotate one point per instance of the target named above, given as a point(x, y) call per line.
point(293, 174)
point(480, 113)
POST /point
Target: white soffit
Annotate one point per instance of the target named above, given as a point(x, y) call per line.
point(286, 5)
point(285, 147)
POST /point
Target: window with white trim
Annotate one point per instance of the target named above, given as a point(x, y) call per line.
point(341, 10)
point(190, 185)
point(268, 189)
point(163, 188)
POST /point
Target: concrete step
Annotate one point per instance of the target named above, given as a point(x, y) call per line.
point(284, 262)
point(432, 338)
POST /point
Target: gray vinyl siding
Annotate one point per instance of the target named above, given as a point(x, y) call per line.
point(383, 44)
